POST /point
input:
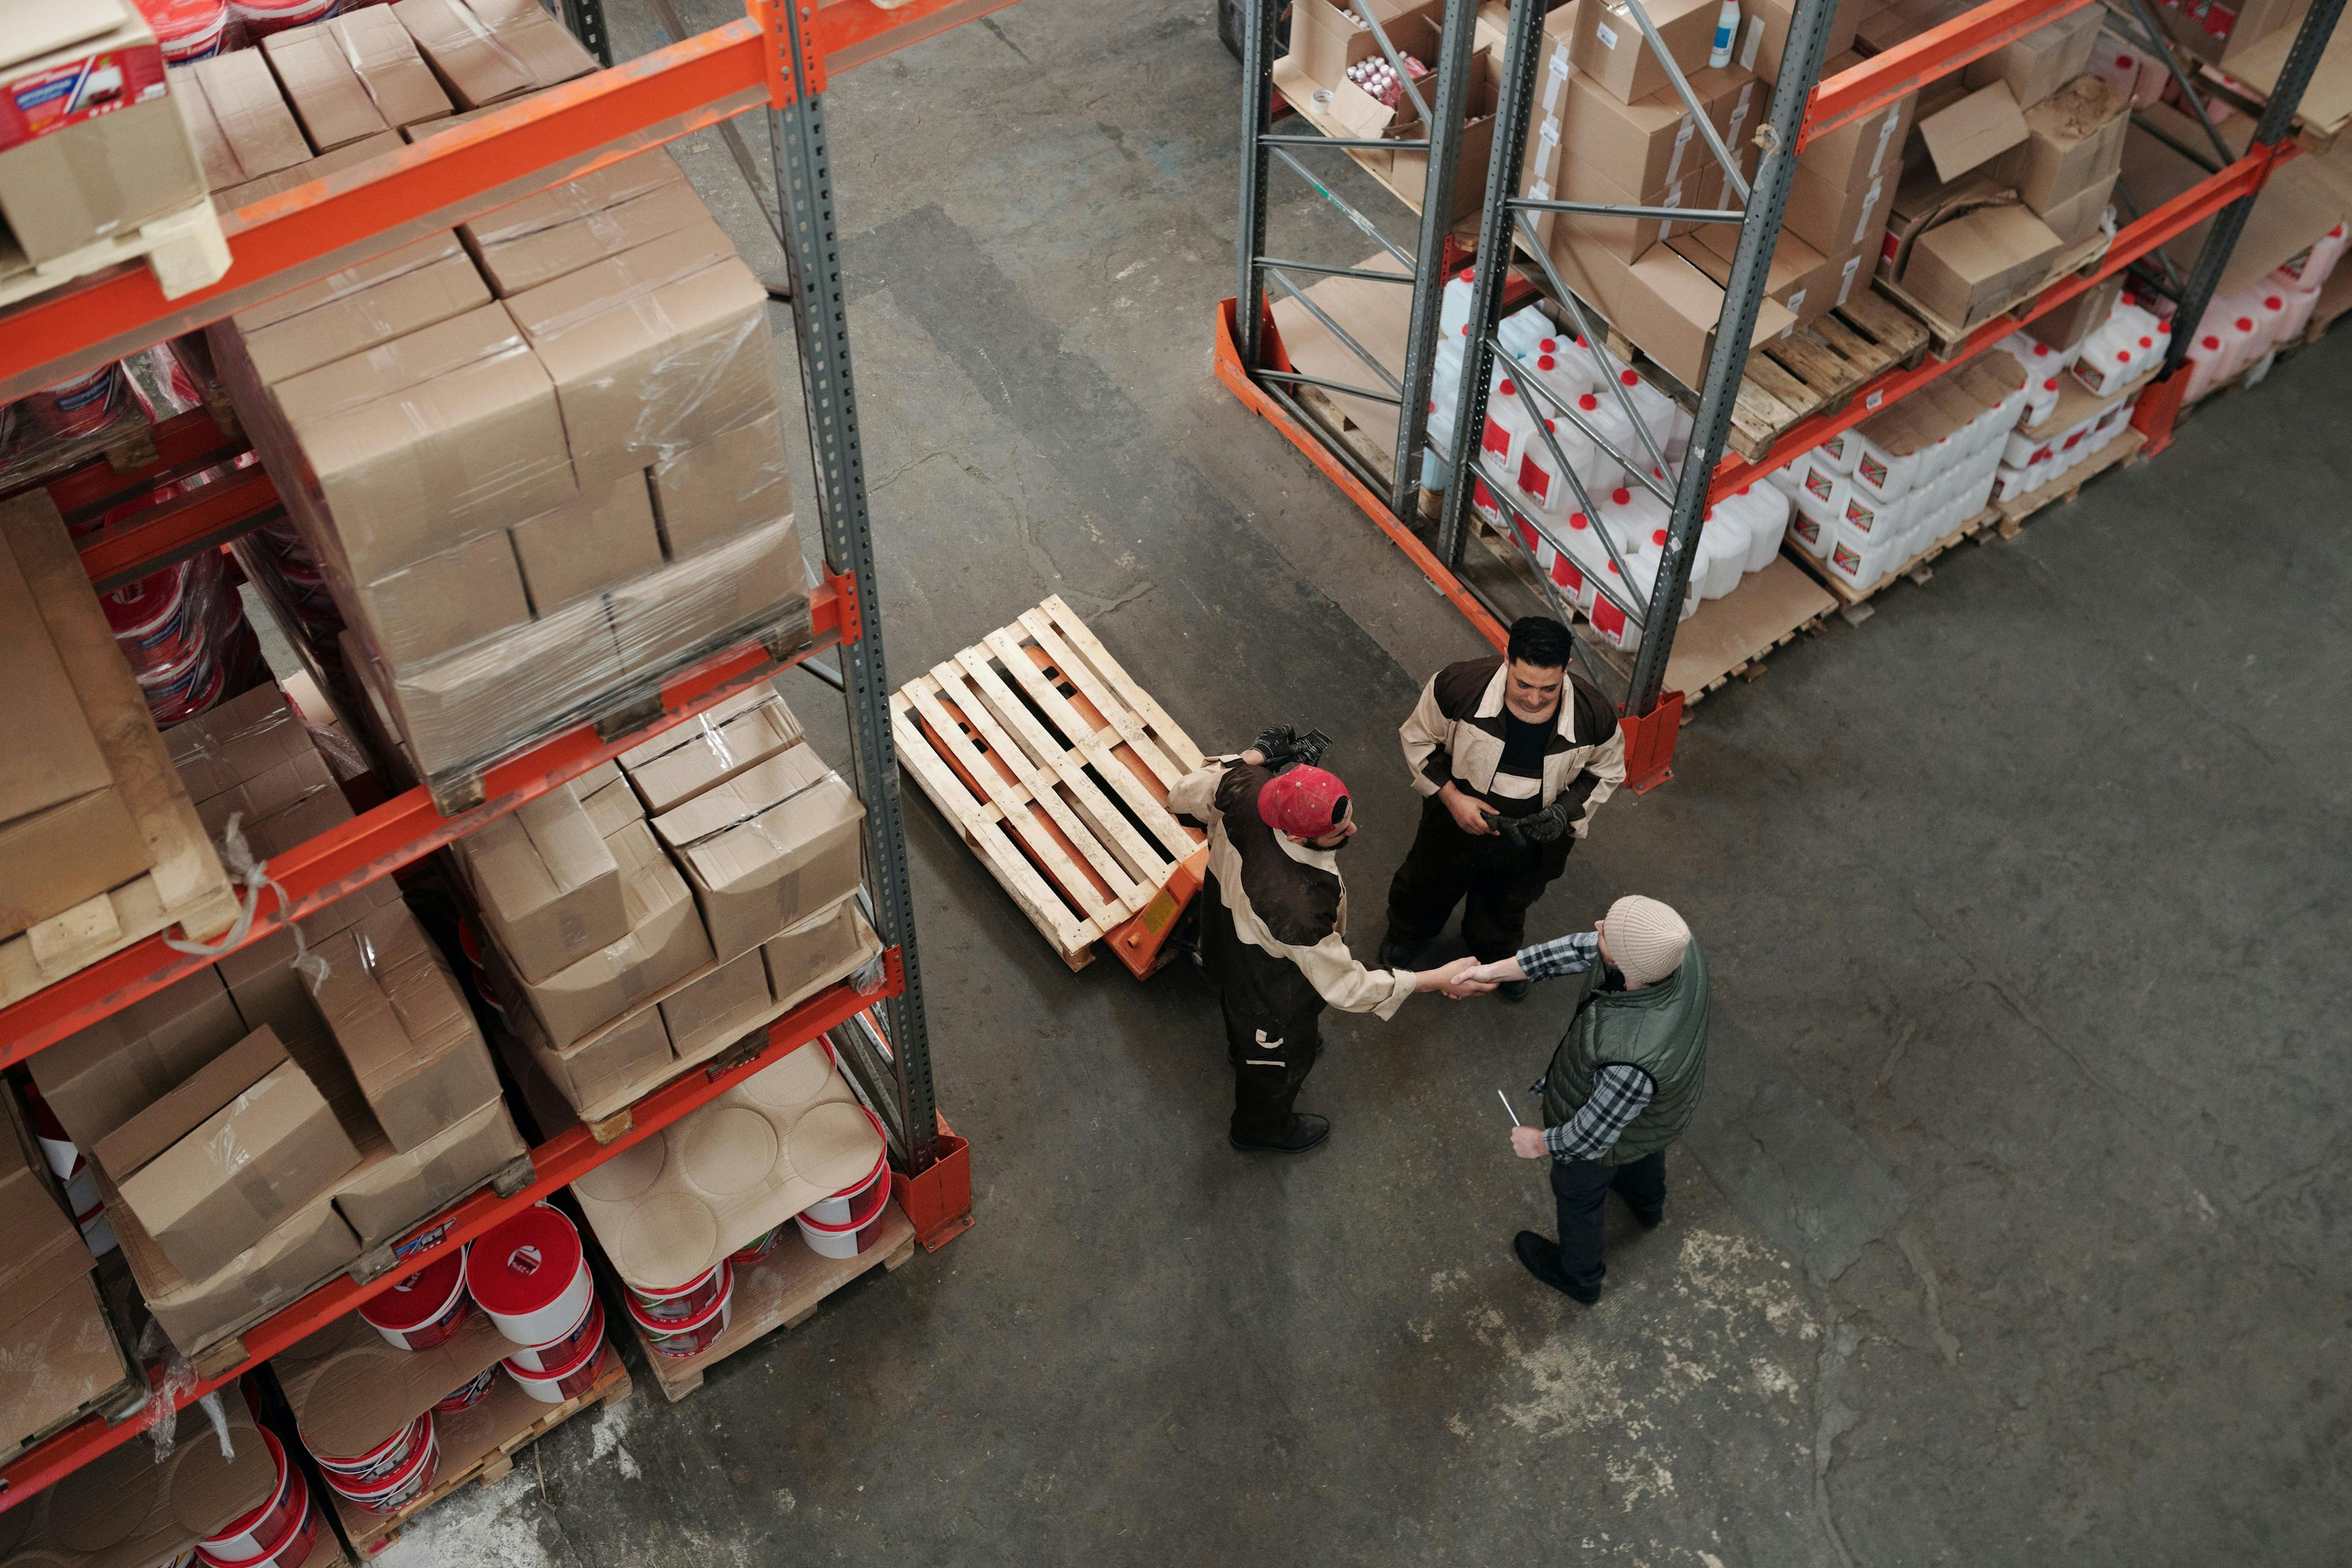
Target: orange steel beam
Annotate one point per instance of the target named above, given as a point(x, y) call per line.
point(1912, 64)
point(2134, 241)
point(555, 1165)
point(377, 843)
point(524, 147)
point(184, 444)
point(203, 519)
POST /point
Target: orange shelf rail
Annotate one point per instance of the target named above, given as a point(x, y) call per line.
point(377, 843)
point(555, 1165)
point(2133, 241)
point(1911, 65)
point(551, 136)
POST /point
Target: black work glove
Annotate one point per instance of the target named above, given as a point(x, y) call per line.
point(1282, 746)
point(1540, 827)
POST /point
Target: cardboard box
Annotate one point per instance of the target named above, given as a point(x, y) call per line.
point(1764, 36)
point(573, 200)
point(350, 1390)
point(2078, 217)
point(769, 847)
point(280, 788)
point(484, 51)
point(41, 1252)
point(404, 1027)
point(2064, 328)
point(1924, 202)
point(1864, 150)
point(541, 255)
point(1643, 147)
point(829, 945)
point(2074, 141)
point(653, 349)
point(601, 539)
point(215, 1163)
point(1324, 43)
point(1627, 238)
point(258, 133)
point(711, 748)
point(1799, 278)
point(99, 1078)
point(1662, 303)
point(429, 440)
point(1608, 46)
point(392, 1190)
point(723, 487)
point(348, 156)
point(241, 738)
point(392, 307)
point(757, 581)
point(2219, 33)
point(1973, 266)
point(93, 146)
point(719, 1008)
point(63, 1357)
point(291, 826)
point(325, 93)
point(447, 601)
point(1475, 149)
point(65, 831)
point(2043, 62)
point(545, 883)
point(1971, 131)
point(381, 52)
point(1832, 214)
point(664, 945)
point(263, 983)
point(613, 1064)
point(492, 695)
point(611, 804)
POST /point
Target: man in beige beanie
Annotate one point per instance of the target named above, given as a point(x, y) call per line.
point(1623, 1082)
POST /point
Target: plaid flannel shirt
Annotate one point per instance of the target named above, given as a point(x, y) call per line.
point(1620, 1093)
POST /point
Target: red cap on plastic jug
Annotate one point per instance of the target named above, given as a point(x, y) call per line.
point(2148, 343)
point(1587, 403)
point(2209, 341)
point(1544, 362)
point(2273, 303)
point(2245, 324)
point(2051, 385)
point(1621, 496)
point(1507, 389)
point(1469, 275)
point(1578, 520)
point(1628, 378)
point(1548, 345)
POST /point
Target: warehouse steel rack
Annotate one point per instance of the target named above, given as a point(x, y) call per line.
point(774, 60)
point(1249, 358)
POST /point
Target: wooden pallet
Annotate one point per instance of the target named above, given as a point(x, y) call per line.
point(183, 248)
point(1854, 605)
point(2120, 453)
point(1817, 369)
point(783, 1290)
point(1945, 339)
point(1055, 766)
point(184, 885)
point(478, 1447)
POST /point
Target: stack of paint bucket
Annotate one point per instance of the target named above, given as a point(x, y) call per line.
point(184, 633)
point(847, 1224)
point(187, 30)
point(425, 1309)
point(277, 1533)
point(687, 1319)
point(530, 1275)
point(259, 18)
point(72, 1167)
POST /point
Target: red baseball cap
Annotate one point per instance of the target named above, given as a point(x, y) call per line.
point(1303, 802)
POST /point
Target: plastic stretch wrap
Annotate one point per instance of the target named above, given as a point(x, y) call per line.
point(102, 412)
point(485, 51)
point(184, 633)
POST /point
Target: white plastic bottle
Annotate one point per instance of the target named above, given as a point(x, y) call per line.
point(1453, 305)
point(1726, 28)
point(2324, 252)
point(1504, 438)
point(1722, 561)
point(1523, 329)
point(2040, 397)
point(2300, 303)
point(1603, 414)
point(1563, 376)
point(1655, 409)
point(1549, 495)
point(2207, 355)
point(1632, 515)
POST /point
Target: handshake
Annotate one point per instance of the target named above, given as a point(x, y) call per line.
point(1466, 977)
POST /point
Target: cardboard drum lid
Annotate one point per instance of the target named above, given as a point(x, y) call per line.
point(126, 1506)
point(673, 1207)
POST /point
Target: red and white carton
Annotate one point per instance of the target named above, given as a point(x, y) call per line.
point(530, 1275)
point(681, 1302)
point(564, 1349)
point(424, 1309)
point(850, 1236)
point(390, 1494)
point(692, 1337)
point(557, 1385)
point(262, 1530)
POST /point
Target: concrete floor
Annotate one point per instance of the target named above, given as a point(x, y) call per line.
point(2013, 1229)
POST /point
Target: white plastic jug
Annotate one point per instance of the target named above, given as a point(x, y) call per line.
point(1722, 558)
point(1632, 515)
point(1821, 489)
point(1453, 305)
point(1523, 329)
point(1549, 494)
point(2271, 315)
point(1605, 416)
point(2207, 355)
point(2325, 253)
point(1860, 559)
point(1582, 555)
point(2300, 303)
point(1654, 408)
point(1567, 377)
point(1678, 435)
point(1505, 439)
point(1882, 474)
point(2040, 397)
point(1763, 511)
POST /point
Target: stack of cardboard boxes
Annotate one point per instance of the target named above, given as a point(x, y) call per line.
point(2010, 168)
point(656, 909)
point(355, 1087)
point(56, 1341)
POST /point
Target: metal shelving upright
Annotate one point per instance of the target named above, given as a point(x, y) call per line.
point(1803, 107)
point(775, 58)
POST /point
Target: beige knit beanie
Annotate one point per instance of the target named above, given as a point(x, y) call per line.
point(1647, 938)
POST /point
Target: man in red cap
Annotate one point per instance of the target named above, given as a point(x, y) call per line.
point(1274, 917)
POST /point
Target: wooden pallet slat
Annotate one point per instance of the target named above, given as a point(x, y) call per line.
point(1128, 726)
point(2119, 453)
point(1188, 756)
point(1152, 812)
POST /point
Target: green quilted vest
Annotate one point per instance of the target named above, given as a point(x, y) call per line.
point(1662, 1029)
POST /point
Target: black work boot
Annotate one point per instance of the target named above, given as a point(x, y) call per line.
point(1395, 955)
point(1514, 990)
point(1542, 1260)
point(1304, 1131)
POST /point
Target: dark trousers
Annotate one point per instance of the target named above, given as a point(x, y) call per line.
point(1580, 1187)
point(1271, 1057)
point(1496, 880)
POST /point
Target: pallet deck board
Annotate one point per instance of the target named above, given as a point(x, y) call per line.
point(185, 250)
point(2121, 452)
point(781, 1291)
point(1849, 597)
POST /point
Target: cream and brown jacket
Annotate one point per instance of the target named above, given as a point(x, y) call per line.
point(1285, 899)
point(1455, 732)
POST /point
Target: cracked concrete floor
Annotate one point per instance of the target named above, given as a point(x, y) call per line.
point(2013, 1229)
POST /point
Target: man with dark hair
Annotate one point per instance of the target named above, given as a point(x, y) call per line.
point(1274, 924)
point(1513, 755)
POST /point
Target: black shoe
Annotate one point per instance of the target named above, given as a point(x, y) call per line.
point(1514, 990)
point(1395, 955)
point(1303, 1132)
point(1650, 1221)
point(1542, 1260)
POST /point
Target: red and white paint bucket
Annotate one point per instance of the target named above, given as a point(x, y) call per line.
point(424, 1309)
point(852, 1236)
point(291, 1553)
point(557, 1385)
point(390, 1494)
point(680, 1303)
point(263, 17)
point(466, 1395)
point(263, 1532)
point(564, 1350)
point(758, 1248)
point(187, 30)
point(853, 1199)
point(59, 1150)
point(385, 1459)
point(530, 1275)
point(695, 1334)
point(78, 406)
point(182, 1560)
